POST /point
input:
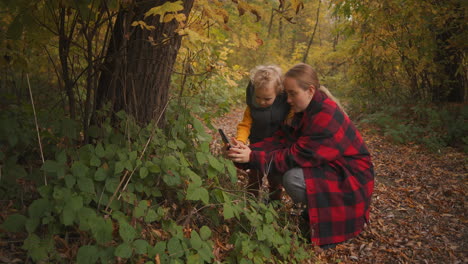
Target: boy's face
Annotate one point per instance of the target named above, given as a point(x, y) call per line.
point(265, 96)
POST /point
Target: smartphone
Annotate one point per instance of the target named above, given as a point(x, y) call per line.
point(224, 138)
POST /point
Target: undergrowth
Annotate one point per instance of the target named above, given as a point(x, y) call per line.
point(430, 126)
point(141, 194)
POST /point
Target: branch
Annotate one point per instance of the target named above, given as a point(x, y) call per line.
point(37, 126)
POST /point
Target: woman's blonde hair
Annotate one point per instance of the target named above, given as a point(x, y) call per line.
point(264, 75)
point(306, 76)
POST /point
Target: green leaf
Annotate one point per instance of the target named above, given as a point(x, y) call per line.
point(170, 163)
point(14, 223)
point(143, 172)
point(112, 184)
point(79, 170)
point(119, 167)
point(100, 174)
point(86, 184)
point(206, 253)
point(154, 168)
point(126, 231)
point(95, 161)
point(228, 212)
point(100, 152)
point(183, 160)
point(132, 155)
point(180, 144)
point(205, 233)
point(38, 208)
point(232, 171)
point(123, 250)
point(102, 229)
point(70, 180)
point(31, 224)
point(107, 254)
point(141, 246)
point(87, 254)
point(138, 212)
point(86, 217)
point(268, 218)
point(201, 158)
point(72, 206)
point(196, 193)
point(215, 163)
point(33, 244)
point(172, 180)
point(175, 248)
point(171, 144)
point(159, 248)
point(68, 216)
point(194, 259)
point(151, 216)
point(195, 240)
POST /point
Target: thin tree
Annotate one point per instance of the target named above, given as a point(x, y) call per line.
point(306, 53)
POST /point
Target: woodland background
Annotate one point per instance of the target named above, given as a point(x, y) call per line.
point(106, 146)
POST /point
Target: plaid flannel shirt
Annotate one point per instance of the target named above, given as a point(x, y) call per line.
point(337, 168)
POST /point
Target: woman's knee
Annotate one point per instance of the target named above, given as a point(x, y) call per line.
point(293, 182)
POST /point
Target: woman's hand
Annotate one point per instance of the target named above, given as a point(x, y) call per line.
point(239, 152)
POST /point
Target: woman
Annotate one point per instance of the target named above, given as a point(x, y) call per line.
point(322, 157)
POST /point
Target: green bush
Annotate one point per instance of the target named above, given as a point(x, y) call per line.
point(432, 127)
point(109, 196)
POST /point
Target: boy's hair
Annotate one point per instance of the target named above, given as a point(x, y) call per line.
point(264, 75)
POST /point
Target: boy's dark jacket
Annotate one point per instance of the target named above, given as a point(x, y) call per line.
point(267, 120)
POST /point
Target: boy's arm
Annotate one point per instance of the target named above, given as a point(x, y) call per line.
point(243, 128)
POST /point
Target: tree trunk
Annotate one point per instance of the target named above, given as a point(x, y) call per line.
point(137, 70)
point(306, 53)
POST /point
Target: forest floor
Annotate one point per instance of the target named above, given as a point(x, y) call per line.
point(419, 203)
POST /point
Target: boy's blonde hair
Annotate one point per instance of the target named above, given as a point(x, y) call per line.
point(264, 75)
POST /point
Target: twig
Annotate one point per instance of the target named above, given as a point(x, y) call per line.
point(37, 126)
point(141, 156)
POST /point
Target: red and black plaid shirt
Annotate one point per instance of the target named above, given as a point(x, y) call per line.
point(337, 168)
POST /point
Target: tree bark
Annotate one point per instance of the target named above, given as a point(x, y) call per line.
point(139, 62)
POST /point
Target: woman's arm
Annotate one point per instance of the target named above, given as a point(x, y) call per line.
point(318, 143)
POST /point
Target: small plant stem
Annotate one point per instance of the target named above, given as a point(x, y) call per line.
point(37, 126)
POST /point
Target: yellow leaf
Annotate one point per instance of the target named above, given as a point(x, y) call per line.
point(168, 7)
point(142, 24)
point(177, 17)
point(193, 36)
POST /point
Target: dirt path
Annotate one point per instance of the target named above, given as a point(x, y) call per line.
point(419, 205)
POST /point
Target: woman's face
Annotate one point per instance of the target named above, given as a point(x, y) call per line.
point(298, 98)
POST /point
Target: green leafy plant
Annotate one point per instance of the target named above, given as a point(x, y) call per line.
point(141, 193)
